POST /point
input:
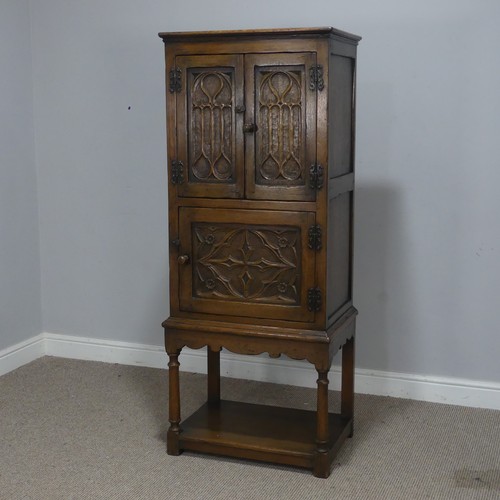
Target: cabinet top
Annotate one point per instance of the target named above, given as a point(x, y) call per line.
point(327, 31)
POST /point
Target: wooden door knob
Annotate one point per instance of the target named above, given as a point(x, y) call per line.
point(183, 259)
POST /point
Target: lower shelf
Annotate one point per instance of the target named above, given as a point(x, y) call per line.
point(258, 432)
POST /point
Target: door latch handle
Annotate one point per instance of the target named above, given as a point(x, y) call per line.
point(249, 128)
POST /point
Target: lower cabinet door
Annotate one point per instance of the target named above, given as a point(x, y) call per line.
point(247, 263)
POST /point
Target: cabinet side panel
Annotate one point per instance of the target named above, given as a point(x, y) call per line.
point(341, 115)
point(339, 254)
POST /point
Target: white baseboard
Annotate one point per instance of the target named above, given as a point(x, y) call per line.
point(108, 351)
point(455, 391)
point(434, 389)
point(21, 354)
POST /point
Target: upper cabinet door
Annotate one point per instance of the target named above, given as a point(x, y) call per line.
point(280, 126)
point(209, 123)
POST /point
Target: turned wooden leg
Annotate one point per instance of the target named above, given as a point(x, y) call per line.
point(174, 404)
point(321, 462)
point(213, 376)
point(347, 394)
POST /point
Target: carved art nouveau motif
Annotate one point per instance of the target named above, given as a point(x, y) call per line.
point(280, 118)
point(211, 127)
point(248, 263)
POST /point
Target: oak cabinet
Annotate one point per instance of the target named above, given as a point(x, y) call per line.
point(260, 135)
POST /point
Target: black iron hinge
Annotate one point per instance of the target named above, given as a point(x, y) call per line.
point(316, 77)
point(177, 172)
point(314, 298)
point(175, 80)
point(315, 235)
point(316, 176)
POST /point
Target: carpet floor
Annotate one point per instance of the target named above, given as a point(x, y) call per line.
point(87, 430)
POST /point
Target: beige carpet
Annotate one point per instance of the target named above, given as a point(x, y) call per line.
point(78, 429)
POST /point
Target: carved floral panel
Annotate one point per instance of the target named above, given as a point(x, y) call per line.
point(248, 263)
point(211, 126)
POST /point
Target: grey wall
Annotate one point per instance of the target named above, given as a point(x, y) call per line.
point(428, 235)
point(100, 138)
point(427, 241)
point(20, 309)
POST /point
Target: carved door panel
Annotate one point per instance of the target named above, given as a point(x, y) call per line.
point(281, 146)
point(209, 110)
point(246, 263)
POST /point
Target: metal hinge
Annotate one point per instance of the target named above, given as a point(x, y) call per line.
point(177, 172)
point(175, 80)
point(315, 235)
point(316, 176)
point(314, 298)
point(316, 77)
